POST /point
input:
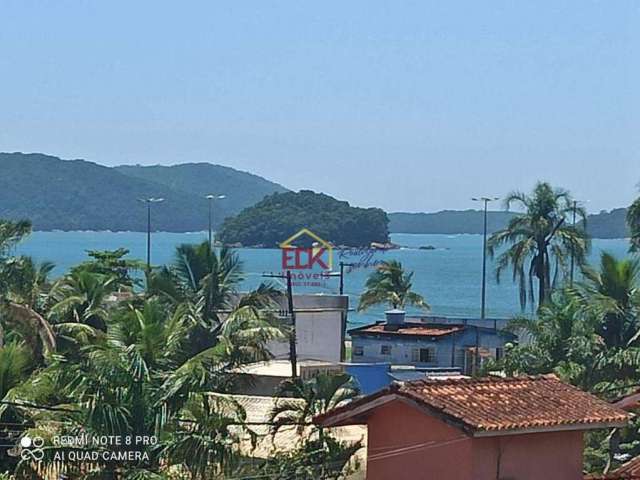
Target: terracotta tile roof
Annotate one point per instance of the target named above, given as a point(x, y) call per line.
point(628, 471)
point(409, 328)
point(629, 402)
point(493, 405)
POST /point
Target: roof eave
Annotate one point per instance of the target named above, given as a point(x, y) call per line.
point(548, 429)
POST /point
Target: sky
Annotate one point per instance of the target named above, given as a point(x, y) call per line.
point(404, 105)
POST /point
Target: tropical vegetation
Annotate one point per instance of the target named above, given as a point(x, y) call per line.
point(390, 284)
point(281, 215)
point(589, 335)
point(107, 352)
point(541, 243)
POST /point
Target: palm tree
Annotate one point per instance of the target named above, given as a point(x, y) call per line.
point(27, 280)
point(22, 283)
point(12, 233)
point(390, 284)
point(562, 339)
point(206, 274)
point(299, 400)
point(633, 220)
point(206, 440)
point(612, 295)
point(539, 240)
point(15, 364)
point(80, 297)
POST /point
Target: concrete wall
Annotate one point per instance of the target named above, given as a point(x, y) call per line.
point(318, 328)
point(406, 444)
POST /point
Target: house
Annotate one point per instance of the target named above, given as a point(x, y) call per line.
point(525, 428)
point(426, 344)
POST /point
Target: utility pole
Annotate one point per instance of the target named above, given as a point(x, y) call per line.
point(148, 202)
point(293, 355)
point(485, 201)
point(343, 352)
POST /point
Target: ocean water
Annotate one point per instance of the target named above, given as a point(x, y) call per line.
point(448, 276)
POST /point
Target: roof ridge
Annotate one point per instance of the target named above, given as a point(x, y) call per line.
point(478, 380)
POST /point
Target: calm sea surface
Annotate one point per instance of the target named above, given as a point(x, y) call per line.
point(448, 276)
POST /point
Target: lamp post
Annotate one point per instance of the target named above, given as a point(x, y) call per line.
point(149, 201)
point(211, 197)
point(485, 201)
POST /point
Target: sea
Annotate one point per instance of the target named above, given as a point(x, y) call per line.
point(447, 274)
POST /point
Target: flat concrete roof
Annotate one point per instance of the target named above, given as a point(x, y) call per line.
point(281, 368)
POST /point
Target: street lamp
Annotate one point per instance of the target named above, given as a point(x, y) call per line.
point(149, 201)
point(574, 211)
point(485, 201)
point(211, 197)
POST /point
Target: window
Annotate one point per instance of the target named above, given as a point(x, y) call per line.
point(357, 352)
point(499, 353)
point(385, 350)
point(423, 355)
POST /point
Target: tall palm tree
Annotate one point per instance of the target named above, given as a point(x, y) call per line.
point(390, 284)
point(301, 400)
point(633, 220)
point(539, 241)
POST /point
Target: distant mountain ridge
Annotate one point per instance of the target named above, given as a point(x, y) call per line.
point(202, 179)
point(58, 194)
point(451, 222)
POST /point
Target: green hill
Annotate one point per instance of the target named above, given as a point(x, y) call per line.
point(60, 194)
point(281, 215)
point(242, 189)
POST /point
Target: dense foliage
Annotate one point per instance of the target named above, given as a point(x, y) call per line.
point(589, 335)
point(99, 352)
point(281, 215)
point(80, 195)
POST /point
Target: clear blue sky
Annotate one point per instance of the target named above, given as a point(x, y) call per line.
point(411, 106)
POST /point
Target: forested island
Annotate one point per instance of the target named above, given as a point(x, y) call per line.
point(281, 215)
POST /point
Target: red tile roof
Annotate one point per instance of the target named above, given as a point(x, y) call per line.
point(409, 328)
point(492, 405)
point(629, 402)
point(628, 471)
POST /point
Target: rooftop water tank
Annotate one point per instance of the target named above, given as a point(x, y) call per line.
point(395, 317)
